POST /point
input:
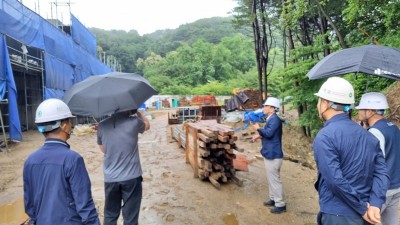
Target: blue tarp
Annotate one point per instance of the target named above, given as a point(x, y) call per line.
point(257, 116)
point(67, 59)
point(7, 79)
point(82, 36)
point(76, 53)
point(20, 23)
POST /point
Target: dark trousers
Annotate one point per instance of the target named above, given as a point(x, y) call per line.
point(126, 195)
point(328, 219)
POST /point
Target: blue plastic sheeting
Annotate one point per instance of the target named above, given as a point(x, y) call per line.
point(257, 116)
point(88, 63)
point(59, 75)
point(57, 43)
point(65, 61)
point(7, 79)
point(53, 93)
point(62, 54)
point(22, 24)
point(82, 36)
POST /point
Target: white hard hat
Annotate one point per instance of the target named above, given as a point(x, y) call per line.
point(338, 90)
point(52, 110)
point(373, 100)
point(272, 101)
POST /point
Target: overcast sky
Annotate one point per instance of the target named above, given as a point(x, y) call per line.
point(145, 16)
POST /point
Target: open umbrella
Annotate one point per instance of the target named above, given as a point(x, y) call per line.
point(107, 94)
point(370, 59)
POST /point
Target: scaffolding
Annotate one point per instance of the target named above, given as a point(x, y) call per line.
point(28, 69)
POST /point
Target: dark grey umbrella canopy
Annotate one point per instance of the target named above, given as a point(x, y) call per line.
point(106, 94)
point(370, 59)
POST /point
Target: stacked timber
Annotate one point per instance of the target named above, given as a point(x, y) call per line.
point(210, 150)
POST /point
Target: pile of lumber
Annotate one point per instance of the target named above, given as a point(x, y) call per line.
point(210, 150)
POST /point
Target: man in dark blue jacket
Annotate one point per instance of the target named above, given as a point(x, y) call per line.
point(271, 137)
point(352, 175)
point(57, 187)
point(370, 112)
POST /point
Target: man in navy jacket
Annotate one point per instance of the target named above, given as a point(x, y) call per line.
point(271, 138)
point(57, 187)
point(352, 175)
point(370, 112)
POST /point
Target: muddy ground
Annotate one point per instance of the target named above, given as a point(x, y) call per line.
point(170, 193)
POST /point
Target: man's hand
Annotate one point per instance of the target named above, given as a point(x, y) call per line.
point(372, 215)
point(255, 137)
point(256, 126)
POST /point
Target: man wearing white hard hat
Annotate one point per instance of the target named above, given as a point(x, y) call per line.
point(57, 187)
point(352, 175)
point(271, 137)
point(371, 109)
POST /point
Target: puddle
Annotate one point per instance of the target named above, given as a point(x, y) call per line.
point(13, 213)
point(230, 219)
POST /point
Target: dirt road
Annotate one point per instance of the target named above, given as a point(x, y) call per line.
point(170, 193)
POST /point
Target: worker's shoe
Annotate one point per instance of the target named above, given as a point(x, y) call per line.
point(278, 210)
point(269, 203)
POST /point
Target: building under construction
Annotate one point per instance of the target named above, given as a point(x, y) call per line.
point(40, 59)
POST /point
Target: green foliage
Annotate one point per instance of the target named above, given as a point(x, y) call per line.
point(202, 64)
point(128, 47)
point(377, 18)
point(176, 89)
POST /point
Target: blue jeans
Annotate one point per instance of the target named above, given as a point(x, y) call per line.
point(329, 219)
point(129, 193)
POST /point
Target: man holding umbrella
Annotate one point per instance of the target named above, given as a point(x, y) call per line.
point(352, 175)
point(371, 109)
point(118, 137)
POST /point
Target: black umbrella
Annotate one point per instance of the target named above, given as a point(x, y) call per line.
point(370, 59)
point(107, 94)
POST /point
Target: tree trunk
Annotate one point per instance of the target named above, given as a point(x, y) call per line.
point(265, 48)
point(341, 40)
point(296, 83)
point(257, 47)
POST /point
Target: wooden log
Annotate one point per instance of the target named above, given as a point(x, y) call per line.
point(202, 144)
point(223, 138)
point(230, 156)
point(230, 151)
point(213, 146)
point(233, 137)
point(215, 175)
point(214, 182)
point(203, 174)
point(227, 147)
point(208, 133)
point(204, 138)
point(205, 164)
point(223, 178)
point(236, 180)
point(203, 152)
point(217, 167)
